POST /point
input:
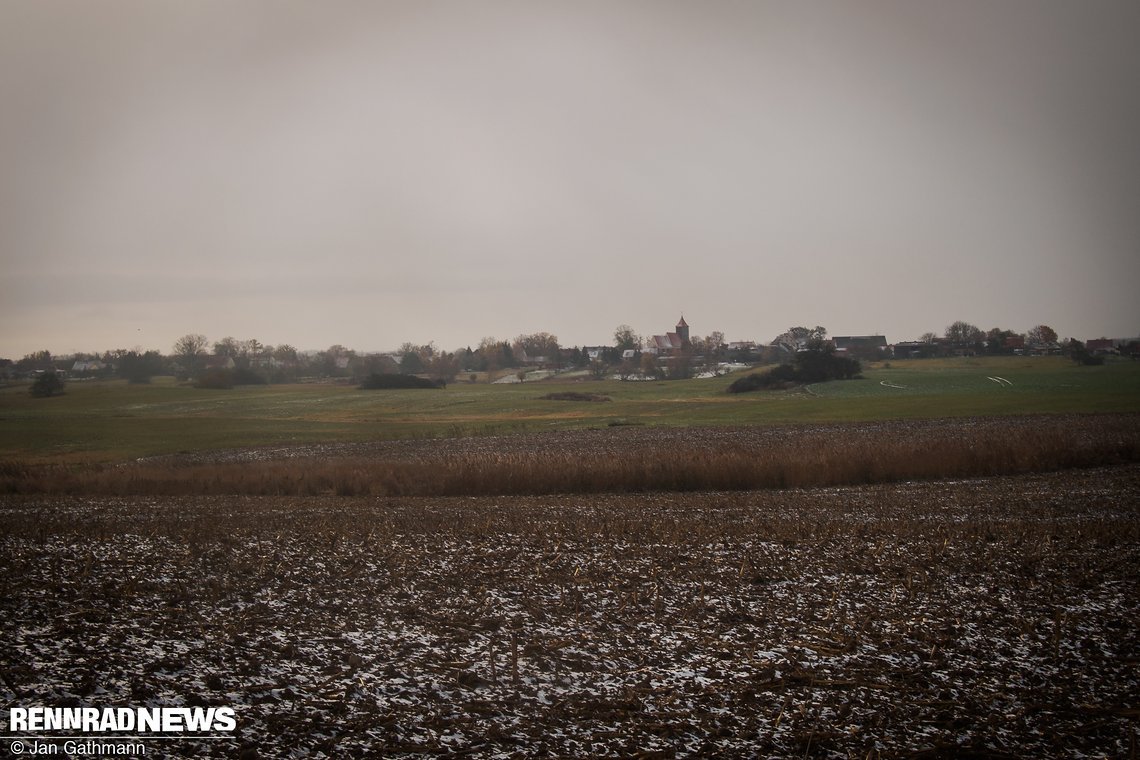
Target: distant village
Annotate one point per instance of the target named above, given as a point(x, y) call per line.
point(674, 354)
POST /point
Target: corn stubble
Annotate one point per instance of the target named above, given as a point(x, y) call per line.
point(989, 617)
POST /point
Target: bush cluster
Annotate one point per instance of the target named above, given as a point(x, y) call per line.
point(215, 379)
point(574, 396)
point(778, 378)
point(822, 366)
point(224, 379)
point(376, 381)
point(47, 384)
point(809, 367)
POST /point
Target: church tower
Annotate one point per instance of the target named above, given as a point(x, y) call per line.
point(683, 330)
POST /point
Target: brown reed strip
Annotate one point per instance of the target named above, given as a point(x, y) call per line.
point(815, 458)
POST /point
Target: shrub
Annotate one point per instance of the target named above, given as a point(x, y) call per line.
point(376, 382)
point(574, 396)
point(822, 366)
point(247, 377)
point(216, 379)
point(810, 367)
point(748, 383)
point(1080, 354)
point(785, 373)
point(47, 384)
point(139, 368)
point(777, 378)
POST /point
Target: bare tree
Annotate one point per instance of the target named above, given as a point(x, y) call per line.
point(425, 351)
point(411, 363)
point(795, 338)
point(538, 344)
point(444, 366)
point(711, 348)
point(335, 360)
point(649, 365)
point(964, 334)
point(190, 345)
point(41, 360)
point(189, 350)
point(680, 365)
point(997, 339)
point(627, 369)
point(416, 359)
point(251, 347)
point(625, 338)
point(489, 354)
point(228, 346)
point(1042, 335)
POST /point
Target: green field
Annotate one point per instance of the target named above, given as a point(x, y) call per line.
point(107, 421)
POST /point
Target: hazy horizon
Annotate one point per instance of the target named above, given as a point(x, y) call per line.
point(605, 340)
point(367, 174)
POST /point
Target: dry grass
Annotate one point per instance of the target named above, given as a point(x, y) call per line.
point(622, 462)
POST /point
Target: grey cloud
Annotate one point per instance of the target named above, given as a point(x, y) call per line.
point(656, 155)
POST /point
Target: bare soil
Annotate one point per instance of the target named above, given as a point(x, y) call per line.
point(993, 617)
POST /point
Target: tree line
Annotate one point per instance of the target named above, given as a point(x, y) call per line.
point(963, 335)
point(230, 361)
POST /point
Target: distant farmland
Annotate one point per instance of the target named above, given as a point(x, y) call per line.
point(937, 560)
point(114, 421)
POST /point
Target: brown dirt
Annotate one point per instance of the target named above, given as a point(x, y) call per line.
point(987, 618)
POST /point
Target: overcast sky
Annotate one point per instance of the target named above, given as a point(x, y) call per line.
point(378, 172)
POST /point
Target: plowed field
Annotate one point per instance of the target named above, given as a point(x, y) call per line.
point(993, 617)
